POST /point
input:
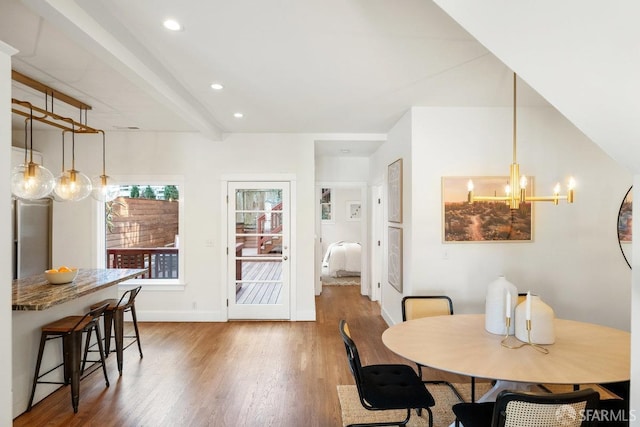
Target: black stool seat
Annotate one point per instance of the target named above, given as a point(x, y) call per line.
point(114, 316)
point(70, 329)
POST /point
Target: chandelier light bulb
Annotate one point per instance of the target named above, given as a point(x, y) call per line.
point(104, 189)
point(31, 181)
point(72, 186)
point(523, 181)
point(62, 191)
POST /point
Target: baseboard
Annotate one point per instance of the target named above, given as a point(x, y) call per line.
point(306, 316)
point(387, 317)
point(181, 316)
point(202, 316)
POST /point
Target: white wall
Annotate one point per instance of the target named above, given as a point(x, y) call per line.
point(201, 163)
point(6, 397)
point(574, 262)
point(342, 169)
point(397, 146)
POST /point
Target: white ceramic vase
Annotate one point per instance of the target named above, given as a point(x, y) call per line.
point(542, 326)
point(495, 312)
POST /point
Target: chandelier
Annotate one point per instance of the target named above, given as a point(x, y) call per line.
point(29, 180)
point(516, 189)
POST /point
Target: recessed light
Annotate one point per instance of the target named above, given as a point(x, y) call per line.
point(216, 86)
point(345, 150)
point(238, 115)
point(172, 24)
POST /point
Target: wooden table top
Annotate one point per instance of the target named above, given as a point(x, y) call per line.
point(36, 293)
point(583, 353)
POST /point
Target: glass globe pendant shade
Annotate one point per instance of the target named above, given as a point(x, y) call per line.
point(72, 186)
point(31, 181)
point(61, 192)
point(104, 189)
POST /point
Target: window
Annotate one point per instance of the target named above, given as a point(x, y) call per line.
point(142, 231)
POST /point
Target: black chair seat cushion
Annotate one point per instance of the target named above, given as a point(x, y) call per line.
point(394, 387)
point(474, 414)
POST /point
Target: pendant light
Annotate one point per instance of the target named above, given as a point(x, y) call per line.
point(72, 185)
point(516, 189)
point(104, 187)
point(31, 181)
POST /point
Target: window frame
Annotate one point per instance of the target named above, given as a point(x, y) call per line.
point(149, 284)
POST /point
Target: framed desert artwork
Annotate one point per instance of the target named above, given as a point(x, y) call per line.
point(394, 191)
point(483, 221)
point(394, 269)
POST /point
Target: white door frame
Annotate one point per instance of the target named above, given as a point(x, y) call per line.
point(224, 181)
point(365, 276)
point(377, 241)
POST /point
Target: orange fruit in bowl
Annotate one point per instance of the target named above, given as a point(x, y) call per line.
point(51, 271)
point(64, 269)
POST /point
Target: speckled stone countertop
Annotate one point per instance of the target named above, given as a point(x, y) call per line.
point(36, 293)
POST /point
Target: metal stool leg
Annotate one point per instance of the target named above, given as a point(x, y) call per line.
point(108, 323)
point(101, 349)
point(43, 340)
point(118, 324)
point(86, 350)
point(135, 326)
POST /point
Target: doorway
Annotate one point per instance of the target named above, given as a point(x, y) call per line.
point(258, 245)
point(342, 231)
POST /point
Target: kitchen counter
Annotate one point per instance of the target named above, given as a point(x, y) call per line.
point(36, 293)
point(36, 302)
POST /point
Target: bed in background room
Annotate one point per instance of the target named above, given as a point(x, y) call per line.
point(342, 259)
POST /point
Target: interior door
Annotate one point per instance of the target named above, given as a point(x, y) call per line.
point(258, 248)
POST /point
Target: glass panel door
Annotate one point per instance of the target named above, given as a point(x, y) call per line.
point(258, 267)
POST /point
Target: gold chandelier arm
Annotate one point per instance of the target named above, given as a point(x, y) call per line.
point(491, 198)
point(50, 118)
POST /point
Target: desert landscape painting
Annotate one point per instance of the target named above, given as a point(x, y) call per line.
point(482, 221)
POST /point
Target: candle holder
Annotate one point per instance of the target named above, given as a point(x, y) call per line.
point(538, 347)
point(505, 340)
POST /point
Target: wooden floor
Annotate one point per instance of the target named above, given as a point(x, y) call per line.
point(229, 374)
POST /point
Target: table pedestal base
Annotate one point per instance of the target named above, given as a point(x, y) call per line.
point(501, 385)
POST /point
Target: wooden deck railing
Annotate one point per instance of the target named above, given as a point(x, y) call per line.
point(160, 263)
point(275, 217)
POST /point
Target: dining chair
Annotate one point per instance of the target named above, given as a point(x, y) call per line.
point(513, 408)
point(415, 307)
point(386, 387)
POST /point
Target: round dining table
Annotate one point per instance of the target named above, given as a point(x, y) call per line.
point(583, 353)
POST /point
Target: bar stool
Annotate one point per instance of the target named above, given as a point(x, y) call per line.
point(70, 329)
point(114, 314)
